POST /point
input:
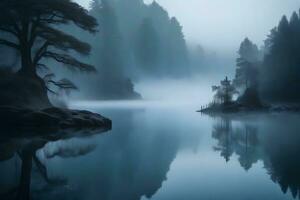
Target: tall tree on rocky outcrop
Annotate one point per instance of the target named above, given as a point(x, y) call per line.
point(247, 65)
point(33, 25)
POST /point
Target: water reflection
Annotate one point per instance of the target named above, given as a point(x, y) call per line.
point(159, 155)
point(134, 160)
point(129, 163)
point(274, 140)
point(22, 152)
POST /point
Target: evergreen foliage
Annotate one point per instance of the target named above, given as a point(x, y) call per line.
point(280, 74)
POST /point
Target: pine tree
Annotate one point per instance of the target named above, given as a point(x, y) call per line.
point(247, 62)
point(33, 29)
point(224, 92)
point(148, 45)
point(33, 24)
point(177, 49)
point(281, 70)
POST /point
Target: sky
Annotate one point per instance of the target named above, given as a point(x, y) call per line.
point(221, 25)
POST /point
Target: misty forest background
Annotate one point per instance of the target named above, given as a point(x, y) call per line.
point(138, 41)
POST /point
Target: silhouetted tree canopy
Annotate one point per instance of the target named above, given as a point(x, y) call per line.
point(178, 56)
point(135, 40)
point(278, 74)
point(224, 92)
point(31, 28)
point(108, 41)
point(108, 56)
point(148, 45)
point(280, 77)
point(247, 65)
point(150, 25)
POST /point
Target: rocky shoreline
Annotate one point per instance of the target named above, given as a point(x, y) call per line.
point(51, 119)
point(239, 108)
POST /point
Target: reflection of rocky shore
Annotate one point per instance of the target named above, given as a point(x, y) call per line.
point(272, 142)
point(128, 164)
point(24, 150)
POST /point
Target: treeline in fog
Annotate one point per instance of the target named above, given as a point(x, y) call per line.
point(271, 72)
point(135, 41)
point(132, 41)
point(280, 73)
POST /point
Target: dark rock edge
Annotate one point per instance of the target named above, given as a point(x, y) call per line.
point(52, 118)
point(238, 108)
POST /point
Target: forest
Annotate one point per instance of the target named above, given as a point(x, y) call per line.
point(265, 75)
point(124, 47)
point(135, 41)
point(115, 44)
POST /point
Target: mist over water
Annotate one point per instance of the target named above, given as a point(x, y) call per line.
point(188, 93)
point(124, 122)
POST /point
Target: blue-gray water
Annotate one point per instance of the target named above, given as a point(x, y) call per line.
point(165, 153)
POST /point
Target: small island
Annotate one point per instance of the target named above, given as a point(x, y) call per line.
point(223, 100)
point(260, 84)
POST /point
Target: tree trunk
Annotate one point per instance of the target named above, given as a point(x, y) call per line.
point(28, 72)
point(27, 67)
point(25, 181)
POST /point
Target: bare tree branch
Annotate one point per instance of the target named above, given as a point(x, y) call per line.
point(13, 32)
point(64, 84)
point(9, 44)
point(39, 54)
point(69, 61)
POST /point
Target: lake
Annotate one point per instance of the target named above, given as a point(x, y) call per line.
point(160, 152)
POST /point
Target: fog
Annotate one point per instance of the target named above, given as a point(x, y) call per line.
point(173, 51)
point(162, 93)
point(221, 25)
point(213, 31)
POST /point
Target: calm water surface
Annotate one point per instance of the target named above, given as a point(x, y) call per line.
point(160, 153)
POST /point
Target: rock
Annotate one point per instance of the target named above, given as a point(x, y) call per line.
point(234, 107)
point(51, 119)
point(288, 107)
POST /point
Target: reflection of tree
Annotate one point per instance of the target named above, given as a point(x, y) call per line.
point(135, 168)
point(222, 132)
point(128, 164)
point(284, 170)
point(26, 149)
point(242, 141)
point(246, 146)
point(277, 146)
point(283, 150)
point(27, 155)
